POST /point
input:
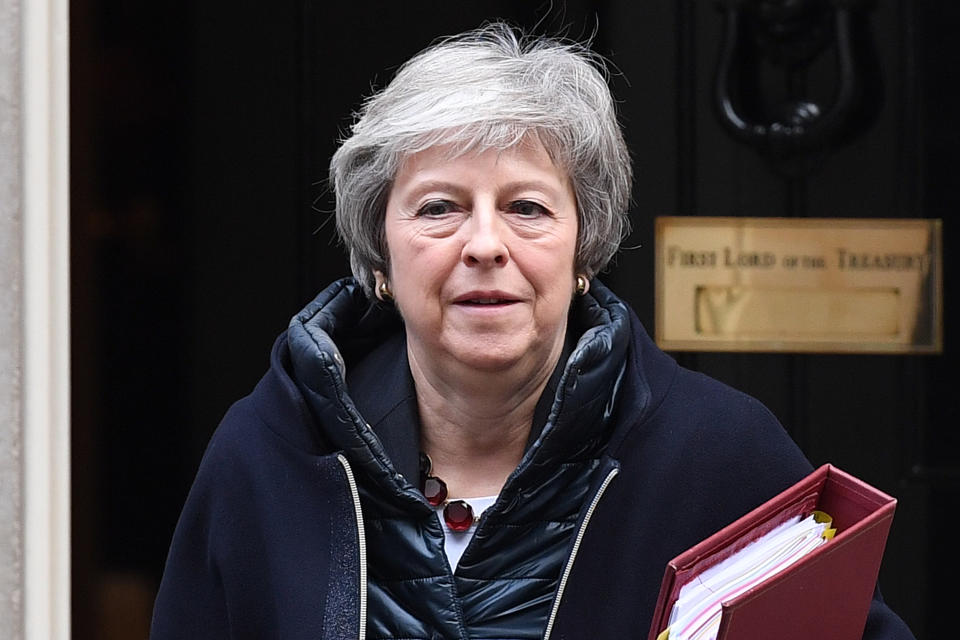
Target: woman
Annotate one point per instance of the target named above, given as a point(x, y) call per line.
point(473, 437)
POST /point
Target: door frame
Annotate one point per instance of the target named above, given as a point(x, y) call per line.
point(45, 317)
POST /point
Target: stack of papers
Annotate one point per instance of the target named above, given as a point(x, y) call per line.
point(696, 613)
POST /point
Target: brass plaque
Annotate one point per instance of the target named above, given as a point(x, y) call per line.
point(830, 285)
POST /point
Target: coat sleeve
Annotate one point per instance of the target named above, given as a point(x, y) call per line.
point(743, 457)
point(764, 450)
point(883, 623)
point(267, 544)
point(191, 601)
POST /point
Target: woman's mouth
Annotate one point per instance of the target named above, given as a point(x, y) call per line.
point(485, 299)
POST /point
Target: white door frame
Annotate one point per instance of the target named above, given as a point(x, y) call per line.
point(46, 318)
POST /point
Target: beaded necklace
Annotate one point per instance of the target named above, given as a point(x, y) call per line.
point(457, 514)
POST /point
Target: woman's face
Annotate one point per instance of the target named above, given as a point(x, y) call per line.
point(482, 256)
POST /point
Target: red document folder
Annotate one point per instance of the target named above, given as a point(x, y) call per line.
point(826, 594)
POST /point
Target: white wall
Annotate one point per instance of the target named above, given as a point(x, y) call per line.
point(11, 442)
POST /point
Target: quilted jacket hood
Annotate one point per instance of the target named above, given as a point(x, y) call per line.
point(341, 326)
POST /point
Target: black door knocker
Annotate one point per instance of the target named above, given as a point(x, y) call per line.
point(769, 89)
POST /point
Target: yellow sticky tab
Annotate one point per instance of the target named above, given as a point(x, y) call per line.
point(823, 517)
point(664, 635)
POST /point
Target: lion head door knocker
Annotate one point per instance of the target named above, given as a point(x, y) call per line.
point(769, 90)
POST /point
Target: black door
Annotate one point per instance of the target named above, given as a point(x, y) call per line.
point(201, 223)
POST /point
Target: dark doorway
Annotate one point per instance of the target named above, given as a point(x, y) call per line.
point(200, 223)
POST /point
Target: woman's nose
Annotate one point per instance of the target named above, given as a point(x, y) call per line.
point(485, 244)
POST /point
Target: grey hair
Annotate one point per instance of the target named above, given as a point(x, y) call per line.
point(488, 89)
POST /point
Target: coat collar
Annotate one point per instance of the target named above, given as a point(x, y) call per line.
point(382, 388)
point(342, 329)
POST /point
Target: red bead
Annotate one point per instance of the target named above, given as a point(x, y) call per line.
point(458, 515)
point(434, 490)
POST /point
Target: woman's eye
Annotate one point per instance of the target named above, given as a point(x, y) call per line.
point(436, 208)
point(528, 209)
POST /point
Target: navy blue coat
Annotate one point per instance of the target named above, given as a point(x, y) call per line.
point(269, 546)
